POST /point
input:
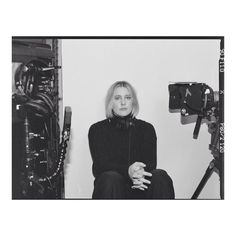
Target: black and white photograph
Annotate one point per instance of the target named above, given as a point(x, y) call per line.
point(118, 118)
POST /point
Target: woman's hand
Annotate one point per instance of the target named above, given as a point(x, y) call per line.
point(137, 174)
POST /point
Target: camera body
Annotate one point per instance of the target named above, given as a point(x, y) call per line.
point(193, 99)
point(196, 102)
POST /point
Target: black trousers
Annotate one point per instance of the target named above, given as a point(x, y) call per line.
point(112, 185)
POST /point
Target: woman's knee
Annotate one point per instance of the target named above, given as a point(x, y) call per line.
point(110, 178)
point(159, 174)
point(162, 181)
point(109, 185)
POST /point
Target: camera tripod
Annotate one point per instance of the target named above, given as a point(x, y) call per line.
point(217, 164)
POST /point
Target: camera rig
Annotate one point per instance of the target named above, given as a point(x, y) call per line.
point(197, 102)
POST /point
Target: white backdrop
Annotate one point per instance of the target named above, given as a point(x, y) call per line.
point(89, 67)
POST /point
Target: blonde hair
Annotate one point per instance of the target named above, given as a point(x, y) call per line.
point(109, 97)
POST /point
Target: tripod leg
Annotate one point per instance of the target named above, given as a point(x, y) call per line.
point(204, 179)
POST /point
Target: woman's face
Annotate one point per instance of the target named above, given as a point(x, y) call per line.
point(122, 101)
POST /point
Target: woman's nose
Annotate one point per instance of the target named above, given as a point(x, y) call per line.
point(122, 101)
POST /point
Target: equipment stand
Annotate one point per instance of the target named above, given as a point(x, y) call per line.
point(214, 165)
point(217, 164)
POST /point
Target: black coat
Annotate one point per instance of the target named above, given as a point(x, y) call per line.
point(115, 148)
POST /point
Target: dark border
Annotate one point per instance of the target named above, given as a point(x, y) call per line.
point(119, 37)
point(221, 81)
point(221, 113)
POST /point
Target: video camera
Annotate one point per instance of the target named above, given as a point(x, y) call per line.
point(199, 100)
point(194, 100)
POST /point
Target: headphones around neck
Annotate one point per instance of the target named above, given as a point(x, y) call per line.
point(122, 123)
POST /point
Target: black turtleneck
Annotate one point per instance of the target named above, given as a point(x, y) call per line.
point(115, 146)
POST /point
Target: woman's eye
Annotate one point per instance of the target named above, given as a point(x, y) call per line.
point(117, 98)
point(128, 98)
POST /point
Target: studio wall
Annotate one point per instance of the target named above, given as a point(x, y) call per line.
point(90, 66)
